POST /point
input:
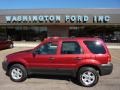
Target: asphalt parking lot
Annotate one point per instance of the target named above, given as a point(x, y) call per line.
point(110, 82)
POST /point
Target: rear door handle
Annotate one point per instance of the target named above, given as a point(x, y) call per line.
point(51, 58)
point(78, 58)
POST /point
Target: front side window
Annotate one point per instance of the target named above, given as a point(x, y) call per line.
point(48, 48)
point(95, 47)
point(70, 47)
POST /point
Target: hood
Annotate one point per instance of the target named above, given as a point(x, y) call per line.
point(19, 54)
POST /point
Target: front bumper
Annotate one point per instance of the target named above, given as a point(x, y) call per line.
point(106, 69)
point(4, 65)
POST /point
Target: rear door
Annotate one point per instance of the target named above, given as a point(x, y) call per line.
point(70, 53)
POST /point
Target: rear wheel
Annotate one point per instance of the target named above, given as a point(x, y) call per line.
point(17, 73)
point(88, 76)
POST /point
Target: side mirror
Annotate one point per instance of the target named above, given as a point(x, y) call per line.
point(36, 52)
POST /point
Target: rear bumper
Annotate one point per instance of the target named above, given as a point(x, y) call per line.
point(106, 69)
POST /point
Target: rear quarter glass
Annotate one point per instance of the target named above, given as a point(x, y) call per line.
point(95, 46)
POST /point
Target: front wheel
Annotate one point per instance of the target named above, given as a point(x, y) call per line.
point(88, 76)
point(17, 73)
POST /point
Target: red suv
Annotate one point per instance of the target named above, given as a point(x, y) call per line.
point(83, 58)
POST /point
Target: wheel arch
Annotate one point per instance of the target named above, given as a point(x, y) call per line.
point(89, 65)
point(12, 63)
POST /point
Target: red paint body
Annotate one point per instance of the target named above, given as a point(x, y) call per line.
point(66, 61)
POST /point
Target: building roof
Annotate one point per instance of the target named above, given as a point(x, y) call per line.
point(58, 11)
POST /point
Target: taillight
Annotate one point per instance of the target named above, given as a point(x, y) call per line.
point(109, 58)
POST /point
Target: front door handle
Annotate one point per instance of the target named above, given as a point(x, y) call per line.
point(51, 58)
point(78, 58)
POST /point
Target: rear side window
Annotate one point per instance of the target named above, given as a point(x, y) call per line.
point(70, 47)
point(95, 47)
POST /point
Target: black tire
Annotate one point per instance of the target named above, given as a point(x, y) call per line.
point(87, 81)
point(21, 69)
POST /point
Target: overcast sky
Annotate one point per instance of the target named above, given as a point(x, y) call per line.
point(26, 4)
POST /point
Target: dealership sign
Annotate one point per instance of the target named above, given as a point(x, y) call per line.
point(56, 19)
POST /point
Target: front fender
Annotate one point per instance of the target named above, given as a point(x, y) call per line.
point(18, 61)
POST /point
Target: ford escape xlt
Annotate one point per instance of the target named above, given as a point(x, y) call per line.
point(83, 58)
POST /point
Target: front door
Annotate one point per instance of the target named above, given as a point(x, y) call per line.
point(44, 57)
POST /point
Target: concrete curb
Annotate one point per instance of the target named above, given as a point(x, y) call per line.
point(25, 45)
point(113, 47)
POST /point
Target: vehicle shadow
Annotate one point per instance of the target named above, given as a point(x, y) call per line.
point(56, 77)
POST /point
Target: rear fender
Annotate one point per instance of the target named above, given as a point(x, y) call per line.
point(90, 62)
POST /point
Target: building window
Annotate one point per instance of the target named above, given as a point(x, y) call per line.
point(27, 33)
